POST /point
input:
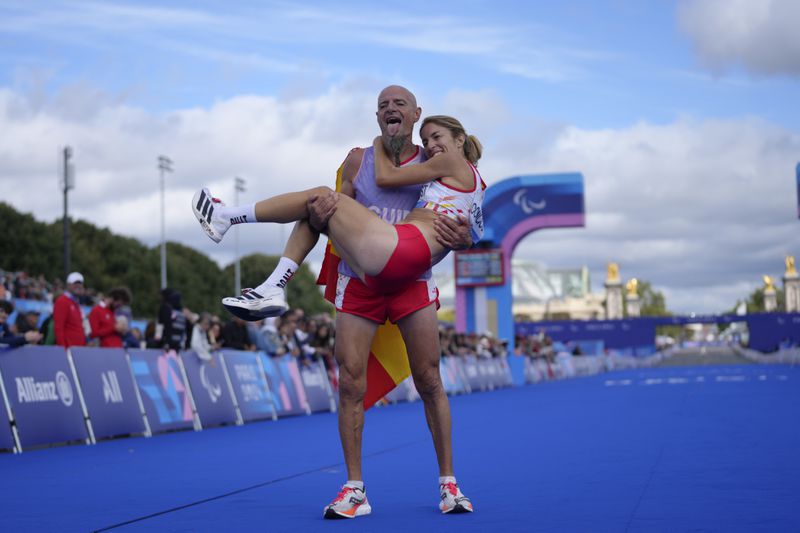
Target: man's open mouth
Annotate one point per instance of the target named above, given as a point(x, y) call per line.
point(393, 125)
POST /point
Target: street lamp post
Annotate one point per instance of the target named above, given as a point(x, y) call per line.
point(237, 270)
point(69, 183)
point(164, 165)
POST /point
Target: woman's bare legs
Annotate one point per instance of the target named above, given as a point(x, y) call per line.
point(363, 239)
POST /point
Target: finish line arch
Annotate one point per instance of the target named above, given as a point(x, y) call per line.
point(512, 209)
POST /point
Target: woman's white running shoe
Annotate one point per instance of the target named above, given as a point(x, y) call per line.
point(453, 501)
point(206, 208)
point(252, 306)
point(349, 503)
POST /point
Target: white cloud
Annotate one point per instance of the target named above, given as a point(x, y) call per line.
point(760, 35)
point(700, 208)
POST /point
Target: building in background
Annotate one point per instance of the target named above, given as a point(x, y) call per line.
point(539, 293)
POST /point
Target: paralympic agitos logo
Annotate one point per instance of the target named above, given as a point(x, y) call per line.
point(528, 206)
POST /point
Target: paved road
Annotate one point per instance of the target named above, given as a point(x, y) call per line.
point(711, 355)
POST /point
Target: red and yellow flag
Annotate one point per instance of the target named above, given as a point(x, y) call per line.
point(388, 360)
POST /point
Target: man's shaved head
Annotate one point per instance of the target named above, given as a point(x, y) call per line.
point(397, 113)
point(394, 90)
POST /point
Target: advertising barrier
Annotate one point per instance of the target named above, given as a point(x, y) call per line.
point(164, 393)
point(42, 395)
point(108, 391)
point(250, 386)
point(286, 385)
point(6, 440)
point(210, 390)
point(317, 387)
point(472, 373)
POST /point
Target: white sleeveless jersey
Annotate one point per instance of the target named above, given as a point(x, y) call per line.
point(453, 202)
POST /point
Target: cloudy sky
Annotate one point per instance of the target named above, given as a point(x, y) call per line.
point(683, 117)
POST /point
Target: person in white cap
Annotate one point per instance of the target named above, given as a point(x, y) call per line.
point(67, 314)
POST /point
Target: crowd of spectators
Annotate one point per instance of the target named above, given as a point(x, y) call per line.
point(539, 346)
point(110, 324)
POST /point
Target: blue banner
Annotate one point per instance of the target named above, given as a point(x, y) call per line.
point(164, 393)
point(6, 440)
point(108, 391)
point(249, 385)
point(630, 336)
point(42, 395)
point(315, 383)
point(210, 391)
point(285, 385)
point(472, 373)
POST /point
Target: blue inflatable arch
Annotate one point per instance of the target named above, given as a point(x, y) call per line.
point(512, 209)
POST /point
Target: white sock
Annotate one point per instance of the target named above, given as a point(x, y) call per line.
point(355, 484)
point(447, 479)
point(281, 275)
point(239, 214)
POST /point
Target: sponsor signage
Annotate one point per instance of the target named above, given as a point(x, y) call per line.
point(6, 441)
point(315, 383)
point(210, 390)
point(108, 391)
point(473, 374)
point(285, 384)
point(249, 385)
point(164, 394)
point(42, 395)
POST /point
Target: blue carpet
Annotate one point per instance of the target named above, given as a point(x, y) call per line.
point(677, 449)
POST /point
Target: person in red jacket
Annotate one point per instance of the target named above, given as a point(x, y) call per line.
point(67, 315)
point(105, 325)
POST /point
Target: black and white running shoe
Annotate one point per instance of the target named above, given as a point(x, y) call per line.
point(206, 208)
point(252, 306)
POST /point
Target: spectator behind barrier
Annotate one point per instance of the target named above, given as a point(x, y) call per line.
point(170, 330)
point(8, 338)
point(107, 328)
point(67, 314)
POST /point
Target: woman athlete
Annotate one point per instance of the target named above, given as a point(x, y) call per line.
point(385, 256)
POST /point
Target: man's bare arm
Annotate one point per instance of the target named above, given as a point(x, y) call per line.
point(453, 234)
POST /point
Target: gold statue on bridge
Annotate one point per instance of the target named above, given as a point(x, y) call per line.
point(613, 272)
point(633, 288)
point(769, 284)
point(790, 268)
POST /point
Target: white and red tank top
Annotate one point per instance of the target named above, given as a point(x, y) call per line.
point(453, 202)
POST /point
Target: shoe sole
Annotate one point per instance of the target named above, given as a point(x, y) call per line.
point(198, 199)
point(458, 509)
point(331, 514)
point(254, 316)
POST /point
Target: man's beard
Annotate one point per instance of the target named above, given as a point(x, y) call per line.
point(394, 145)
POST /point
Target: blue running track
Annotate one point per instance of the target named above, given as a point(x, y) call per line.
point(669, 449)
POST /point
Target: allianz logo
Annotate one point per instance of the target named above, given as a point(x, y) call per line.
point(31, 391)
point(112, 393)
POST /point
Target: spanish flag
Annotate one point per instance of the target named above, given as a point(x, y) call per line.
point(388, 360)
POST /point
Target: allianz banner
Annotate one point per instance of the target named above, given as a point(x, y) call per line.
point(249, 385)
point(108, 391)
point(210, 391)
point(163, 391)
point(42, 395)
point(286, 385)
